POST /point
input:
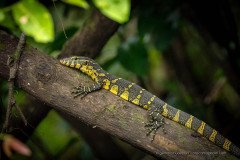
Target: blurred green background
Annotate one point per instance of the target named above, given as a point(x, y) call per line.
point(186, 53)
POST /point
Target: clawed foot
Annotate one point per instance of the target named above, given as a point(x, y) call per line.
point(156, 121)
point(84, 90)
point(79, 91)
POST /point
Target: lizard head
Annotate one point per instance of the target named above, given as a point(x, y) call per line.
point(77, 62)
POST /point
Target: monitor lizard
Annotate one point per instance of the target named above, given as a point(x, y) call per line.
point(137, 95)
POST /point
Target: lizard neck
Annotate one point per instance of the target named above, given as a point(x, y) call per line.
point(90, 71)
point(95, 72)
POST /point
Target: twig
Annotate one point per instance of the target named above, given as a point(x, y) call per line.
point(60, 19)
point(215, 91)
point(21, 115)
point(13, 66)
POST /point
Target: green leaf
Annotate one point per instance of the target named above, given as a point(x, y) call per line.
point(2, 16)
point(117, 10)
point(34, 19)
point(133, 56)
point(78, 3)
point(6, 20)
point(48, 128)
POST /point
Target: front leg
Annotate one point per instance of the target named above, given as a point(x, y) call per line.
point(84, 90)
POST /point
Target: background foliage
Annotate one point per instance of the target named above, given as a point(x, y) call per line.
point(187, 53)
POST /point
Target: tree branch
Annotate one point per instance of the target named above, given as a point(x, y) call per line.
point(51, 83)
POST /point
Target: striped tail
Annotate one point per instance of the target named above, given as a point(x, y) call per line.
point(201, 127)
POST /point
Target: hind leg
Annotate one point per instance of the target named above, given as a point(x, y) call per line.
point(156, 121)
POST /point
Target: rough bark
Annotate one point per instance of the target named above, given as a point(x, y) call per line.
point(51, 83)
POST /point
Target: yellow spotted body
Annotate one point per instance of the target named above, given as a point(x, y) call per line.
point(139, 96)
